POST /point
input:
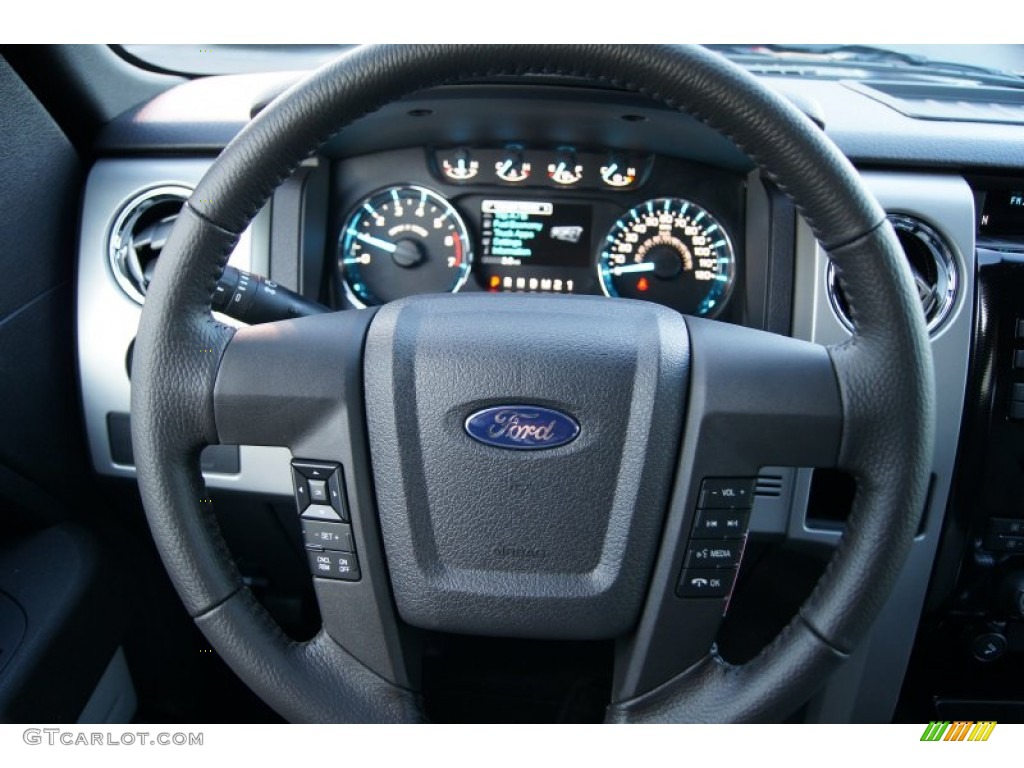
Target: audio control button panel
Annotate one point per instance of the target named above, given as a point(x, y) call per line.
point(718, 537)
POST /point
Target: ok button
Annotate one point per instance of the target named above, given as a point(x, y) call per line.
point(714, 553)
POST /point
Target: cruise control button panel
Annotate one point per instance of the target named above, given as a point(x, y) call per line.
point(334, 565)
point(326, 524)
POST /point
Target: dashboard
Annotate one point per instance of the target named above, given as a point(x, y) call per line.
point(537, 220)
point(553, 188)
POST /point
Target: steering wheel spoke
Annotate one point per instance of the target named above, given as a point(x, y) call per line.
point(756, 399)
point(298, 383)
point(295, 383)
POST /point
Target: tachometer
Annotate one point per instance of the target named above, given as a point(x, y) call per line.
point(670, 251)
point(402, 241)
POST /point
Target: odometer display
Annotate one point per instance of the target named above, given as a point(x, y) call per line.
point(403, 241)
point(670, 251)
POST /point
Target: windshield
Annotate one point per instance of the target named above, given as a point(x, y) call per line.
point(232, 59)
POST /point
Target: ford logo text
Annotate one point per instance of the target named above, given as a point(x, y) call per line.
point(522, 427)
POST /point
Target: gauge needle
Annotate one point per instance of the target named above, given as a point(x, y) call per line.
point(384, 245)
point(609, 172)
point(647, 266)
point(505, 168)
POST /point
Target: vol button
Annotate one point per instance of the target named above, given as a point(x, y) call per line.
point(727, 493)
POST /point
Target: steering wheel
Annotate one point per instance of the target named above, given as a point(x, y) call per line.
point(583, 540)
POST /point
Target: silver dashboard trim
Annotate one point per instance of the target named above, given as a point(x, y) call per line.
point(867, 687)
point(107, 318)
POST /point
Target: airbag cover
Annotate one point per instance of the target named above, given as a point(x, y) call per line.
point(543, 543)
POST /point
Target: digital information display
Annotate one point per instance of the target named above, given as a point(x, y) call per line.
point(1003, 213)
point(532, 245)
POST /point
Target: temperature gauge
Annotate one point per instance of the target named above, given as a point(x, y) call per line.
point(566, 169)
point(512, 167)
point(619, 172)
point(459, 165)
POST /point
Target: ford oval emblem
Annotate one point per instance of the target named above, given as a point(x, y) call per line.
point(522, 427)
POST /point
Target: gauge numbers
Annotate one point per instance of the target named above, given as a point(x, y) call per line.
point(671, 251)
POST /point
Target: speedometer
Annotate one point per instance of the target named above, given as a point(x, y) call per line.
point(670, 251)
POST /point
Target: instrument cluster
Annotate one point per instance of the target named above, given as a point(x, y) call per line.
point(554, 220)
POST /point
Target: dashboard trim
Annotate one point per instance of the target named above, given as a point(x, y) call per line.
point(867, 688)
point(107, 318)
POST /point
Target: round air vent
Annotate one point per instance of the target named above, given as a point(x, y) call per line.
point(139, 234)
point(931, 263)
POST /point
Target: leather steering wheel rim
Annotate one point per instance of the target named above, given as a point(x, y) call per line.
point(884, 375)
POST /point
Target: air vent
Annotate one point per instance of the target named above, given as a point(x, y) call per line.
point(768, 486)
point(139, 234)
point(931, 263)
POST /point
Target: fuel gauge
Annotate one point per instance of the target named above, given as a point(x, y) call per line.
point(512, 167)
point(566, 169)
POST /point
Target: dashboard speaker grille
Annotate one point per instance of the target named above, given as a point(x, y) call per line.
point(139, 233)
point(931, 263)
